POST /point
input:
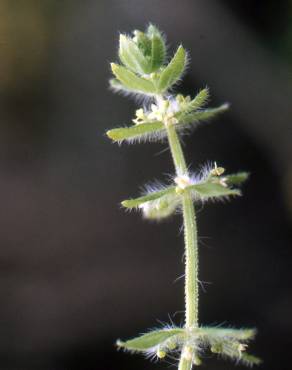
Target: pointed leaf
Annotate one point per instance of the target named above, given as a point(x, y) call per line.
point(134, 203)
point(250, 360)
point(131, 81)
point(156, 205)
point(219, 332)
point(237, 178)
point(228, 342)
point(160, 208)
point(230, 349)
point(117, 86)
point(201, 115)
point(173, 71)
point(132, 57)
point(153, 31)
point(143, 42)
point(212, 190)
point(150, 340)
point(158, 48)
point(158, 51)
point(136, 132)
point(200, 100)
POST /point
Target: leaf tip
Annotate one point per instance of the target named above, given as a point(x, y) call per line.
point(125, 203)
point(123, 37)
point(114, 67)
point(111, 135)
point(225, 106)
point(119, 343)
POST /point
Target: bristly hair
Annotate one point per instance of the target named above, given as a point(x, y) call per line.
point(174, 85)
point(139, 97)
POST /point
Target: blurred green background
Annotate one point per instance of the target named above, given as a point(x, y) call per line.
point(75, 271)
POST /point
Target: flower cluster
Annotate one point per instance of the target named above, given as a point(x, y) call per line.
point(163, 111)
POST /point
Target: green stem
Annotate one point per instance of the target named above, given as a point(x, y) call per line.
point(191, 274)
point(191, 242)
point(176, 151)
point(184, 364)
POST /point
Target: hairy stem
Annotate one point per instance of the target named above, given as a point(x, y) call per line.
point(184, 364)
point(191, 260)
point(176, 151)
point(191, 245)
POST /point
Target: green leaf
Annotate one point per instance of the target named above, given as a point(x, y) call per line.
point(237, 178)
point(201, 115)
point(212, 190)
point(131, 81)
point(153, 31)
point(231, 350)
point(158, 48)
point(143, 42)
point(142, 131)
point(228, 342)
point(117, 86)
point(134, 203)
point(150, 340)
point(156, 205)
point(218, 332)
point(200, 99)
point(173, 71)
point(161, 208)
point(158, 51)
point(132, 57)
point(250, 360)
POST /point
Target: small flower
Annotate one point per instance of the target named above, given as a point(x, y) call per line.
point(217, 171)
point(183, 181)
point(222, 181)
point(140, 116)
point(160, 353)
point(156, 113)
point(242, 347)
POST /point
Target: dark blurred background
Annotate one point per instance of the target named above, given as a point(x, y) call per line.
point(76, 272)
